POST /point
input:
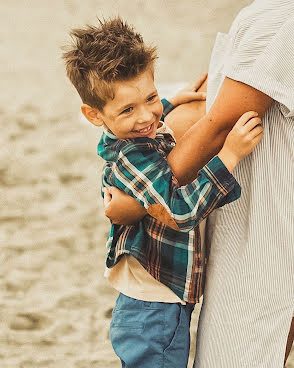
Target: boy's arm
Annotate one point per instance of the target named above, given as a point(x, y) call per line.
point(144, 174)
point(121, 208)
point(205, 139)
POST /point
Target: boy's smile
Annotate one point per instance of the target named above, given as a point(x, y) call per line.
point(135, 110)
point(146, 131)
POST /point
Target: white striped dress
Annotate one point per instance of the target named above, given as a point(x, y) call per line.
point(249, 294)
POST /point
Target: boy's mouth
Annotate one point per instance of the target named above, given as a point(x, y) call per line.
point(145, 131)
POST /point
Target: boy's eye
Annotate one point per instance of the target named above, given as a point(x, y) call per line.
point(151, 98)
point(127, 111)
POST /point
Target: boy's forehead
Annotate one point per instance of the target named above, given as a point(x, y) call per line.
point(126, 91)
point(141, 83)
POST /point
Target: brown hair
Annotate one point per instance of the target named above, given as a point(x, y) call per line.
point(101, 55)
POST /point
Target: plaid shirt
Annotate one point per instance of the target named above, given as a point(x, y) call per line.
point(139, 167)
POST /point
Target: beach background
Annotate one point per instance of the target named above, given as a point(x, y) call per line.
point(55, 306)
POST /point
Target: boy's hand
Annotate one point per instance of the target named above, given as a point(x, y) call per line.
point(242, 139)
point(120, 208)
point(190, 93)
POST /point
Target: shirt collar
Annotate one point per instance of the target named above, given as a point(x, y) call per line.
point(109, 134)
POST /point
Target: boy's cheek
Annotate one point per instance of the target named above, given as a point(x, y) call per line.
point(160, 110)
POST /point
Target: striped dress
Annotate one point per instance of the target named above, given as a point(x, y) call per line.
point(249, 293)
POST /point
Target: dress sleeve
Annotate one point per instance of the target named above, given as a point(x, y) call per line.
point(144, 174)
point(262, 56)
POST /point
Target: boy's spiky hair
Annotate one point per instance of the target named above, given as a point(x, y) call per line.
point(103, 54)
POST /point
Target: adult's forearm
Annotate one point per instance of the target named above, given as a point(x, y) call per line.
point(205, 139)
point(191, 153)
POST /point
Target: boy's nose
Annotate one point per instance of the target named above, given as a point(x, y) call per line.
point(144, 116)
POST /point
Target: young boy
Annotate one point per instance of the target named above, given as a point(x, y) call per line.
point(158, 269)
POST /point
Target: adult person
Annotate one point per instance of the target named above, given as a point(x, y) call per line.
point(249, 294)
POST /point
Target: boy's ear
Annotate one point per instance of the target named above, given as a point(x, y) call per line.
point(92, 115)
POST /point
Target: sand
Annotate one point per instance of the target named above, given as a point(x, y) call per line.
point(55, 306)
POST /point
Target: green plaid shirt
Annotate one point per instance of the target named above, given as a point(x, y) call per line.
point(139, 167)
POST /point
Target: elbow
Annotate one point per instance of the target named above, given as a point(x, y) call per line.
point(107, 213)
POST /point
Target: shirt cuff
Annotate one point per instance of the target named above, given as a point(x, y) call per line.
point(220, 176)
point(167, 108)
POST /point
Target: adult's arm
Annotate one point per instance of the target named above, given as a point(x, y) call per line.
point(191, 153)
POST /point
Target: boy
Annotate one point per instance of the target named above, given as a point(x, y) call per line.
point(158, 269)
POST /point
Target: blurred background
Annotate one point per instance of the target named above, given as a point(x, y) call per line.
point(55, 306)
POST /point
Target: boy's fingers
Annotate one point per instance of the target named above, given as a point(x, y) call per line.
point(198, 96)
point(257, 138)
point(252, 123)
point(193, 96)
point(255, 132)
point(202, 95)
point(200, 81)
point(247, 116)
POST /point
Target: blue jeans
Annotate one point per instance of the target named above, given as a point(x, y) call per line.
point(151, 334)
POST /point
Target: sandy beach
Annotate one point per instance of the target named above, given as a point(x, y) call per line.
point(55, 305)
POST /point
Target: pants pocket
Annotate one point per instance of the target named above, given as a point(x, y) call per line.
point(126, 319)
point(134, 342)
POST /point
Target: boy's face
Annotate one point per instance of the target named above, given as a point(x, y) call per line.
point(135, 110)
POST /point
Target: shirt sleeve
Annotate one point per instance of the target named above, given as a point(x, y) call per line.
point(167, 108)
point(262, 56)
point(145, 175)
